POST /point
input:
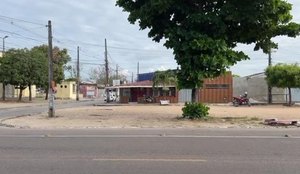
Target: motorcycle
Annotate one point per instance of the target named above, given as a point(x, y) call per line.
point(242, 100)
point(148, 99)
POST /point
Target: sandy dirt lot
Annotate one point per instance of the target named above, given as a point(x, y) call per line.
point(155, 116)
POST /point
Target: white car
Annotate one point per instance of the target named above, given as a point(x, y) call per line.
point(112, 97)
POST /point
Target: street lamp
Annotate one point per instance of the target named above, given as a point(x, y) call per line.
point(3, 43)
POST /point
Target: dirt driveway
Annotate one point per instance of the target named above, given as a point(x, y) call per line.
point(155, 116)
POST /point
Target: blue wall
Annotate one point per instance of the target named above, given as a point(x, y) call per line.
point(145, 76)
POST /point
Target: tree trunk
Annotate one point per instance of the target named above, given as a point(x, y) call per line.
point(47, 92)
point(290, 96)
point(30, 94)
point(194, 95)
point(3, 91)
point(21, 94)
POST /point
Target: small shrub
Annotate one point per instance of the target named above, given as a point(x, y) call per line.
point(195, 111)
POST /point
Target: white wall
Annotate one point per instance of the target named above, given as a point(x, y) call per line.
point(257, 89)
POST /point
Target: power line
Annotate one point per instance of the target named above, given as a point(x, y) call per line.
point(29, 30)
point(17, 35)
point(20, 20)
point(87, 63)
point(103, 46)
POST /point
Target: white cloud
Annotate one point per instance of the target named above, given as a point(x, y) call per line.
point(91, 21)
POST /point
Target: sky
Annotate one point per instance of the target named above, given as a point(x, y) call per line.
point(88, 23)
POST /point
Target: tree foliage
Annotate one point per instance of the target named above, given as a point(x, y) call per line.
point(98, 74)
point(4, 74)
point(72, 71)
point(284, 76)
point(164, 78)
point(17, 64)
point(203, 34)
point(23, 67)
point(60, 59)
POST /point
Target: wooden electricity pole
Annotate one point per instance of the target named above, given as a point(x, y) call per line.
point(117, 72)
point(270, 100)
point(138, 71)
point(51, 84)
point(106, 74)
point(78, 76)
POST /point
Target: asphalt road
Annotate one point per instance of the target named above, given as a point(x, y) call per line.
point(36, 109)
point(158, 151)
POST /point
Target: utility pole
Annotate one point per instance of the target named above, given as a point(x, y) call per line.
point(117, 72)
point(3, 44)
point(132, 78)
point(138, 71)
point(106, 73)
point(269, 87)
point(78, 76)
point(50, 72)
point(3, 52)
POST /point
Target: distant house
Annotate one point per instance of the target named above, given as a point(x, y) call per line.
point(215, 90)
point(66, 90)
point(13, 92)
point(25, 92)
point(89, 90)
point(138, 91)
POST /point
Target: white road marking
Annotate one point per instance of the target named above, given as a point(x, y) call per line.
point(148, 160)
point(151, 136)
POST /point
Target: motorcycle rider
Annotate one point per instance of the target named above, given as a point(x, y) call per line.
point(245, 95)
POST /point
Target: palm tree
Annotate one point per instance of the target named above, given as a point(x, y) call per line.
point(164, 79)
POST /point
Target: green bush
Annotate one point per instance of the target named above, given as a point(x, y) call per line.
point(195, 111)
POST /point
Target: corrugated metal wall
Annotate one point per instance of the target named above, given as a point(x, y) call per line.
point(217, 90)
point(295, 94)
point(185, 95)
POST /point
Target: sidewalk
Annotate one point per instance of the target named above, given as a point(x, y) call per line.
point(8, 105)
point(153, 116)
point(35, 102)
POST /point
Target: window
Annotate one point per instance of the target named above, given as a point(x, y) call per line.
point(74, 89)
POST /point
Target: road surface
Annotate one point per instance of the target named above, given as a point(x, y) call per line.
point(157, 151)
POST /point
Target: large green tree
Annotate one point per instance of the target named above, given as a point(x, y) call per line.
point(5, 73)
point(204, 33)
point(60, 60)
point(24, 68)
point(284, 76)
point(17, 62)
point(39, 69)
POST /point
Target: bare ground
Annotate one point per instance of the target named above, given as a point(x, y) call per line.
point(155, 116)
